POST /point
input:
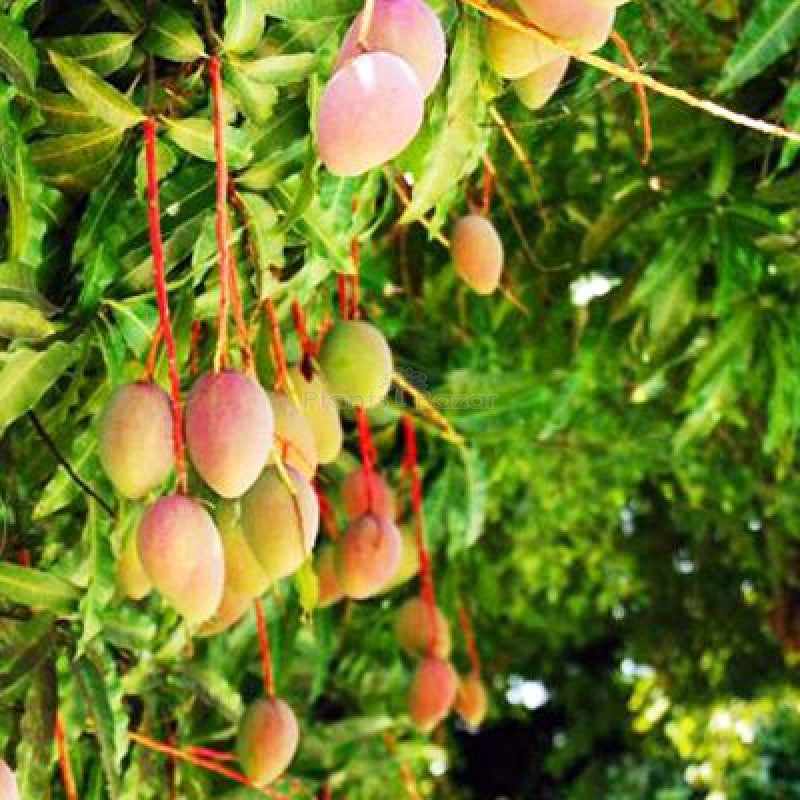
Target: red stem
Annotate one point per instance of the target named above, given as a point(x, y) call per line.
point(327, 514)
point(341, 285)
point(160, 281)
point(276, 344)
point(194, 346)
point(306, 342)
point(152, 354)
point(263, 643)
point(206, 764)
point(238, 316)
point(67, 776)
point(425, 570)
point(368, 455)
point(218, 121)
point(355, 279)
point(211, 755)
point(488, 186)
point(469, 639)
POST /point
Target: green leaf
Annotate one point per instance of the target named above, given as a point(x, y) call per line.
point(256, 100)
point(76, 160)
point(313, 10)
point(23, 321)
point(27, 374)
point(18, 57)
point(95, 695)
point(278, 70)
point(103, 53)
point(64, 114)
point(99, 97)
point(35, 649)
point(771, 31)
point(453, 138)
point(36, 589)
point(196, 136)
point(244, 25)
point(35, 750)
point(172, 36)
point(791, 115)
point(61, 489)
point(261, 225)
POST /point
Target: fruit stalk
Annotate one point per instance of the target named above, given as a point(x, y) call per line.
point(152, 355)
point(427, 588)
point(366, 24)
point(276, 344)
point(327, 514)
point(306, 342)
point(641, 94)
point(67, 776)
point(263, 644)
point(242, 334)
point(469, 640)
point(368, 456)
point(221, 227)
point(160, 281)
point(341, 287)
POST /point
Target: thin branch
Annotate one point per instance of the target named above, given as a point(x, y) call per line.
point(641, 94)
point(53, 448)
point(629, 76)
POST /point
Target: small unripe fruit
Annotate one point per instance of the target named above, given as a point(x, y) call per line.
point(8, 783)
point(268, 737)
point(330, 592)
point(477, 253)
point(536, 89)
point(322, 412)
point(132, 580)
point(357, 363)
point(367, 556)
point(382, 93)
point(580, 22)
point(294, 438)
point(181, 553)
point(407, 28)
point(356, 495)
point(412, 629)
point(231, 609)
point(513, 54)
point(229, 431)
point(136, 439)
point(409, 560)
point(433, 691)
point(280, 527)
point(472, 701)
point(243, 574)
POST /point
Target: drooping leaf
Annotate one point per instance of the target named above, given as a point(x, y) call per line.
point(99, 97)
point(37, 589)
point(18, 57)
point(27, 374)
point(103, 53)
point(196, 136)
point(35, 752)
point(64, 114)
point(244, 25)
point(771, 31)
point(278, 70)
point(172, 35)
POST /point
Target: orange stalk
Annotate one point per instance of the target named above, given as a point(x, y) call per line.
point(263, 644)
point(641, 94)
point(67, 776)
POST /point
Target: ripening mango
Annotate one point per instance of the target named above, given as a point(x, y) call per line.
point(268, 738)
point(294, 438)
point(132, 580)
point(8, 783)
point(243, 574)
point(357, 494)
point(432, 694)
point(407, 28)
point(230, 610)
point(580, 22)
point(280, 524)
point(229, 430)
point(322, 413)
point(368, 555)
point(181, 552)
point(136, 439)
point(357, 363)
point(330, 592)
point(412, 629)
point(472, 701)
point(513, 54)
point(536, 89)
point(477, 253)
point(381, 91)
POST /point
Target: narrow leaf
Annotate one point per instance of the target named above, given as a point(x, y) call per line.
point(18, 59)
point(36, 589)
point(35, 751)
point(102, 99)
point(196, 136)
point(172, 35)
point(244, 25)
point(103, 53)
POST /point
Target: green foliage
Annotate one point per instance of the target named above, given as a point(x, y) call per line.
point(616, 499)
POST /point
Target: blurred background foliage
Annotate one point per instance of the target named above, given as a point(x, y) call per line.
point(618, 508)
